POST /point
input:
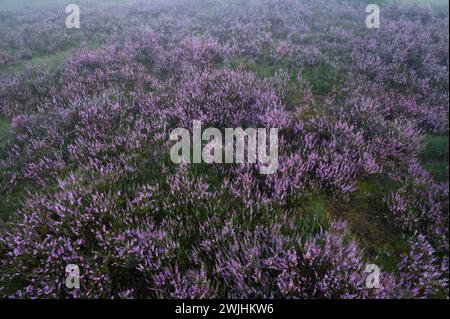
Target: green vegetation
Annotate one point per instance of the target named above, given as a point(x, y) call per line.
point(365, 213)
point(321, 77)
point(53, 61)
point(435, 156)
point(4, 129)
point(261, 66)
point(427, 2)
point(438, 169)
point(436, 147)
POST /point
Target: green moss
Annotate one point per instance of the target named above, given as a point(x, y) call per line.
point(438, 169)
point(388, 256)
point(313, 216)
point(263, 67)
point(53, 61)
point(436, 147)
point(5, 129)
point(316, 207)
point(365, 212)
point(50, 62)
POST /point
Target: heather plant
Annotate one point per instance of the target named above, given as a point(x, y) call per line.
point(423, 274)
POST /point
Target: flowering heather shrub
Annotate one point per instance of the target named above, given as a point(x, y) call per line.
point(409, 57)
point(421, 205)
point(86, 176)
point(422, 274)
point(226, 98)
point(268, 264)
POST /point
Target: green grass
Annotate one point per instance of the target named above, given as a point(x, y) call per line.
point(387, 256)
point(313, 216)
point(321, 77)
point(5, 129)
point(50, 62)
point(365, 214)
point(53, 61)
point(438, 169)
point(436, 147)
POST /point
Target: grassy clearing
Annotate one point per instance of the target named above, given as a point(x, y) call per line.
point(5, 130)
point(436, 147)
point(365, 214)
point(53, 61)
point(438, 169)
point(261, 66)
point(321, 77)
point(50, 62)
point(435, 156)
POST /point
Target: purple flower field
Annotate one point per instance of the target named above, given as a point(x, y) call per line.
point(86, 176)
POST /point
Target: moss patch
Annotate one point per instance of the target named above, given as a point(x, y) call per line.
point(5, 129)
point(365, 213)
point(434, 157)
